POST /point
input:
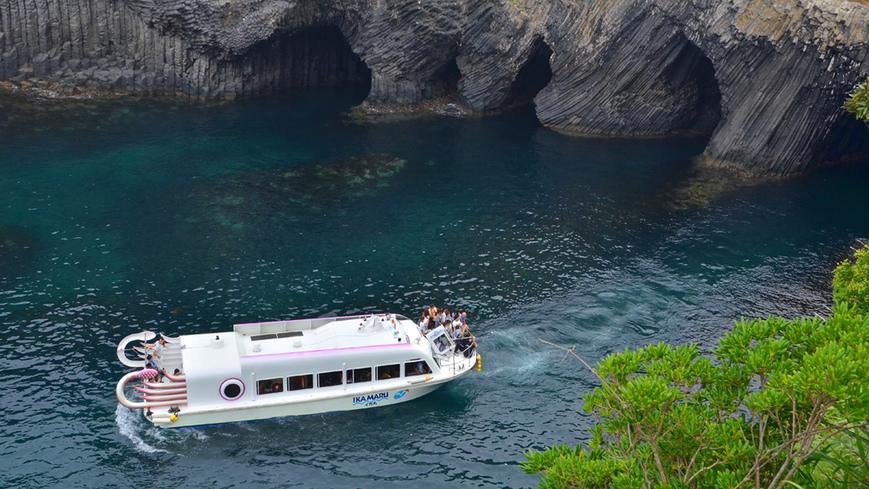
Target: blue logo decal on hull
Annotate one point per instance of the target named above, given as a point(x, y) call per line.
point(370, 399)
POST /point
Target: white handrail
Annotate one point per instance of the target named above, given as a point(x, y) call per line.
point(144, 337)
point(147, 373)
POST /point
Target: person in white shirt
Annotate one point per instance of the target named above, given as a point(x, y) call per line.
point(423, 324)
point(157, 350)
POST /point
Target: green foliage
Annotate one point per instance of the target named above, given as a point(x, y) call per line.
point(778, 403)
point(851, 281)
point(857, 102)
point(842, 462)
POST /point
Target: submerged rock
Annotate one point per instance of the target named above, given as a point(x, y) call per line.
point(253, 206)
point(17, 248)
point(385, 113)
point(704, 184)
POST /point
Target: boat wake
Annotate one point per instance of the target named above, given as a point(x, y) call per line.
point(133, 426)
point(130, 425)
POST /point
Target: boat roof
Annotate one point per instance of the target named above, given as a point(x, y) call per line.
point(217, 350)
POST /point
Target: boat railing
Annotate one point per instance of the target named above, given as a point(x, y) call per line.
point(451, 360)
point(153, 394)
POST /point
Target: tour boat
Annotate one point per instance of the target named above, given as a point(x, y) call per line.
point(291, 368)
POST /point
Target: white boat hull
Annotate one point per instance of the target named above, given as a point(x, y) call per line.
point(292, 368)
point(303, 406)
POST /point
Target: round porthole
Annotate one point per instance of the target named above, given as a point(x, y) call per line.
point(231, 389)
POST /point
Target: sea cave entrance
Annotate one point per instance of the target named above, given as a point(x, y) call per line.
point(313, 57)
point(696, 98)
point(444, 81)
point(532, 77)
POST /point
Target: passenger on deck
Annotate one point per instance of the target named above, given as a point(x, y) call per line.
point(456, 331)
point(423, 324)
point(157, 349)
point(457, 320)
point(150, 363)
point(441, 317)
point(432, 317)
point(467, 341)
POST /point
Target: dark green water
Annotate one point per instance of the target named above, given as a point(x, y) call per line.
point(181, 218)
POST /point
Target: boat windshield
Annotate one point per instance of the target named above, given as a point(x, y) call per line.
point(440, 340)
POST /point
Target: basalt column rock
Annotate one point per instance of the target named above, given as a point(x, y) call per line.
point(674, 91)
point(765, 78)
point(784, 69)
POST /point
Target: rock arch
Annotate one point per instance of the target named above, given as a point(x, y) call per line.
point(533, 76)
point(691, 77)
point(620, 68)
point(444, 81)
point(675, 91)
point(317, 56)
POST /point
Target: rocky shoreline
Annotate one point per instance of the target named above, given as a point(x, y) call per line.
point(765, 79)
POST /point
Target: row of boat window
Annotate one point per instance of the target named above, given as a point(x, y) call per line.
point(353, 376)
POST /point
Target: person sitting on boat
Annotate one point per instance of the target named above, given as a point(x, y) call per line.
point(150, 363)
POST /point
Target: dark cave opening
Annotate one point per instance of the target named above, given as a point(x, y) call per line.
point(696, 95)
point(532, 77)
point(313, 57)
point(846, 141)
point(444, 81)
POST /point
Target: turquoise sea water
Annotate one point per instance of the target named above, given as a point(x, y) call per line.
point(184, 218)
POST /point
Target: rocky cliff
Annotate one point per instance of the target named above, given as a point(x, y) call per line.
point(766, 78)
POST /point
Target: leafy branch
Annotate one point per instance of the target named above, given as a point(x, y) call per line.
point(772, 405)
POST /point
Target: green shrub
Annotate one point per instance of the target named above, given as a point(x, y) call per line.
point(767, 408)
point(851, 281)
point(857, 102)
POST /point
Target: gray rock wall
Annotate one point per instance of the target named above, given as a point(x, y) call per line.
point(766, 78)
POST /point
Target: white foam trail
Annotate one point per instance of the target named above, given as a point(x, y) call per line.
point(129, 426)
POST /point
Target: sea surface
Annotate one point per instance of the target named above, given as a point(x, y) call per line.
point(119, 216)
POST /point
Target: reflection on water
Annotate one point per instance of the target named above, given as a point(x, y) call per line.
point(187, 218)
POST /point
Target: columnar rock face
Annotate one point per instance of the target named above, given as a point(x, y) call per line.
point(766, 78)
